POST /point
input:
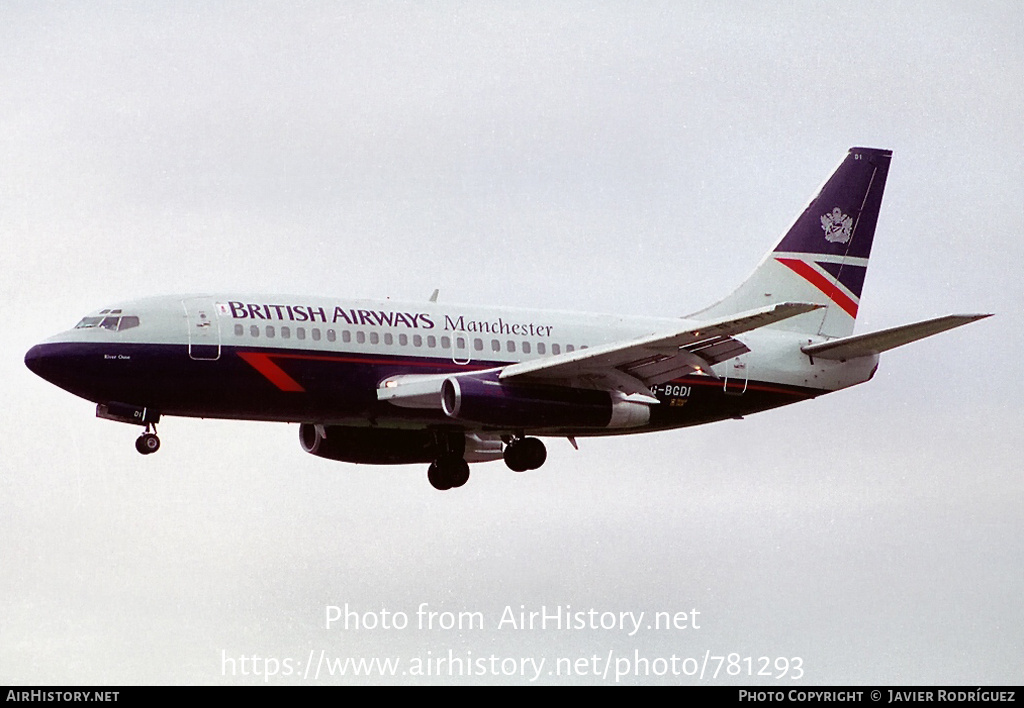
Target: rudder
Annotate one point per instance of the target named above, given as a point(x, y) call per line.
point(823, 257)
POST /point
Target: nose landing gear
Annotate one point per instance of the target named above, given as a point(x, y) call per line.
point(148, 442)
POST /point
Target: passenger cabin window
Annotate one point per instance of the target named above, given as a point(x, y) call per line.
point(541, 348)
point(331, 336)
point(239, 330)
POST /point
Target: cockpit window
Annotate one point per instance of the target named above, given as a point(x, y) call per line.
point(112, 321)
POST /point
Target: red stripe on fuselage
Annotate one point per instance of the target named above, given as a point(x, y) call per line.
point(807, 272)
point(261, 361)
point(274, 373)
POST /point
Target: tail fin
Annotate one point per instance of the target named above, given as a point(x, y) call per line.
point(823, 258)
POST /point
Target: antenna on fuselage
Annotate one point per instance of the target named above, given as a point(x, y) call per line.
point(433, 297)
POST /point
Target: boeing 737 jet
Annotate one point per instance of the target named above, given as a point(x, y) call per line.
point(384, 382)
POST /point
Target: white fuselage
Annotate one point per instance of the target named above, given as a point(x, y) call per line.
point(388, 338)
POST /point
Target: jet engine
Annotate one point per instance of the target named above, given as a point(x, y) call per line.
point(368, 446)
point(485, 400)
point(385, 446)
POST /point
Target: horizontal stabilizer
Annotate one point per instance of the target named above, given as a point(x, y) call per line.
point(878, 342)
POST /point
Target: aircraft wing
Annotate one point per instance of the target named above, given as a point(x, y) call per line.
point(877, 342)
point(633, 366)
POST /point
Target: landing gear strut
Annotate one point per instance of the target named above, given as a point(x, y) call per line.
point(523, 454)
point(148, 442)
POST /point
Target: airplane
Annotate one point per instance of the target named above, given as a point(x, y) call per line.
point(385, 382)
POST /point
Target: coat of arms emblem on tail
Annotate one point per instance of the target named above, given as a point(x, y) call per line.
point(838, 227)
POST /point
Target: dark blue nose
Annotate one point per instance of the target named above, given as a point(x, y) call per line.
point(87, 369)
point(59, 363)
point(41, 361)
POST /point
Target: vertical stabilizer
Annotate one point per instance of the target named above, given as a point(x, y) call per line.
point(823, 258)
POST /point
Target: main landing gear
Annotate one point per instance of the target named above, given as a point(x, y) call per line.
point(448, 472)
point(523, 454)
point(148, 442)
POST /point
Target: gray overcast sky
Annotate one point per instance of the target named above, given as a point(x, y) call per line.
point(633, 158)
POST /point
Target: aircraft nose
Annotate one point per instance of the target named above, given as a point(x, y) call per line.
point(68, 365)
point(64, 364)
point(82, 368)
point(42, 361)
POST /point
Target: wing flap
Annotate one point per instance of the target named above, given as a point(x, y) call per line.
point(886, 339)
point(633, 366)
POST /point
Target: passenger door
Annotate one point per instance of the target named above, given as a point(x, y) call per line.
point(203, 329)
point(736, 376)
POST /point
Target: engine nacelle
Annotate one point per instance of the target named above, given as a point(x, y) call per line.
point(488, 401)
point(383, 446)
point(368, 446)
